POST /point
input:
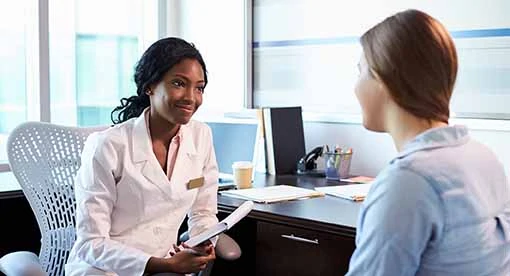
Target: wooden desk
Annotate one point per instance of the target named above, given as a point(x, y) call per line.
point(303, 237)
point(328, 220)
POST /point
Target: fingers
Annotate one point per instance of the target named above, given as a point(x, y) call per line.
point(206, 243)
point(190, 261)
point(203, 261)
point(204, 249)
point(177, 249)
point(207, 258)
point(209, 250)
point(197, 263)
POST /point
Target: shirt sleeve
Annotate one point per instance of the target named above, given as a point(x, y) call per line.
point(205, 207)
point(400, 217)
point(95, 198)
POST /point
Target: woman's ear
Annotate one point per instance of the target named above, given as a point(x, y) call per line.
point(385, 93)
point(382, 89)
point(150, 89)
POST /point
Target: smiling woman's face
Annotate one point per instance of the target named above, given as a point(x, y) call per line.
point(179, 94)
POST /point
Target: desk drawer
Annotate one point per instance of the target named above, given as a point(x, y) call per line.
point(285, 250)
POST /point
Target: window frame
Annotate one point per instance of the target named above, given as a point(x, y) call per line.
point(248, 55)
point(38, 57)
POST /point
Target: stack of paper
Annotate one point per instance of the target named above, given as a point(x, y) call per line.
point(272, 193)
point(358, 179)
point(356, 192)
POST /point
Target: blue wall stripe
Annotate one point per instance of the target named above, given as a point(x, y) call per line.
point(481, 33)
point(353, 39)
point(306, 42)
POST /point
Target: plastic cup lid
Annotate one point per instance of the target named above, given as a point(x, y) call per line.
point(242, 165)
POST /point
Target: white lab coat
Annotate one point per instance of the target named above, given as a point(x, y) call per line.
point(127, 209)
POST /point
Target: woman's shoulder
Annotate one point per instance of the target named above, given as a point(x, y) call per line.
point(113, 135)
point(452, 164)
point(402, 186)
point(395, 175)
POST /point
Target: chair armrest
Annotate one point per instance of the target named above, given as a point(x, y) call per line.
point(226, 247)
point(21, 263)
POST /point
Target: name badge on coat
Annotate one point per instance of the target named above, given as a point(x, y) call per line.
point(196, 183)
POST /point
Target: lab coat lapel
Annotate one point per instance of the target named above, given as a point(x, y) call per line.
point(185, 162)
point(145, 159)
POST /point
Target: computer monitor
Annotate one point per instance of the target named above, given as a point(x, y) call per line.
point(233, 142)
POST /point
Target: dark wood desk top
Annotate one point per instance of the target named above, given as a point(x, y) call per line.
point(11, 194)
point(328, 214)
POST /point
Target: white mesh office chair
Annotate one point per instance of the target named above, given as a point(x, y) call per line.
point(45, 159)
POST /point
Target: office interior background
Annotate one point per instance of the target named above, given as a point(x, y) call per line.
point(70, 61)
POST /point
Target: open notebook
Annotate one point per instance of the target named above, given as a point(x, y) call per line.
point(356, 192)
point(272, 193)
point(221, 226)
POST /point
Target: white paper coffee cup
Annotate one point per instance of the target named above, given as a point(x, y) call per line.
point(243, 172)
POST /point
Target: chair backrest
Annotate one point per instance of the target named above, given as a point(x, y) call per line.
point(45, 158)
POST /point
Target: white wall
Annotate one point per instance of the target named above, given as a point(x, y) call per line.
point(372, 151)
point(221, 41)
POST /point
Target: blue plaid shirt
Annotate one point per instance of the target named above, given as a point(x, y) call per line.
point(441, 207)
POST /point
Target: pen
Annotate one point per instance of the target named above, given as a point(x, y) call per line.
point(338, 151)
point(317, 194)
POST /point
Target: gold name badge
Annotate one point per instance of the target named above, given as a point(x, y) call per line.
point(196, 183)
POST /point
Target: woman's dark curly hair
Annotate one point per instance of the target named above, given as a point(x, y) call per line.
point(150, 69)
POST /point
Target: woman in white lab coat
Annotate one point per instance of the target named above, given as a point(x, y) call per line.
point(140, 178)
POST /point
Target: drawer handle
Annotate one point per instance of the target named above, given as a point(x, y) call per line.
point(294, 238)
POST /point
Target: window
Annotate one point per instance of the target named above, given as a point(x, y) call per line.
point(305, 52)
point(92, 61)
point(93, 47)
point(221, 38)
point(14, 35)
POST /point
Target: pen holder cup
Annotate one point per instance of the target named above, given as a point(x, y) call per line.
point(337, 165)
